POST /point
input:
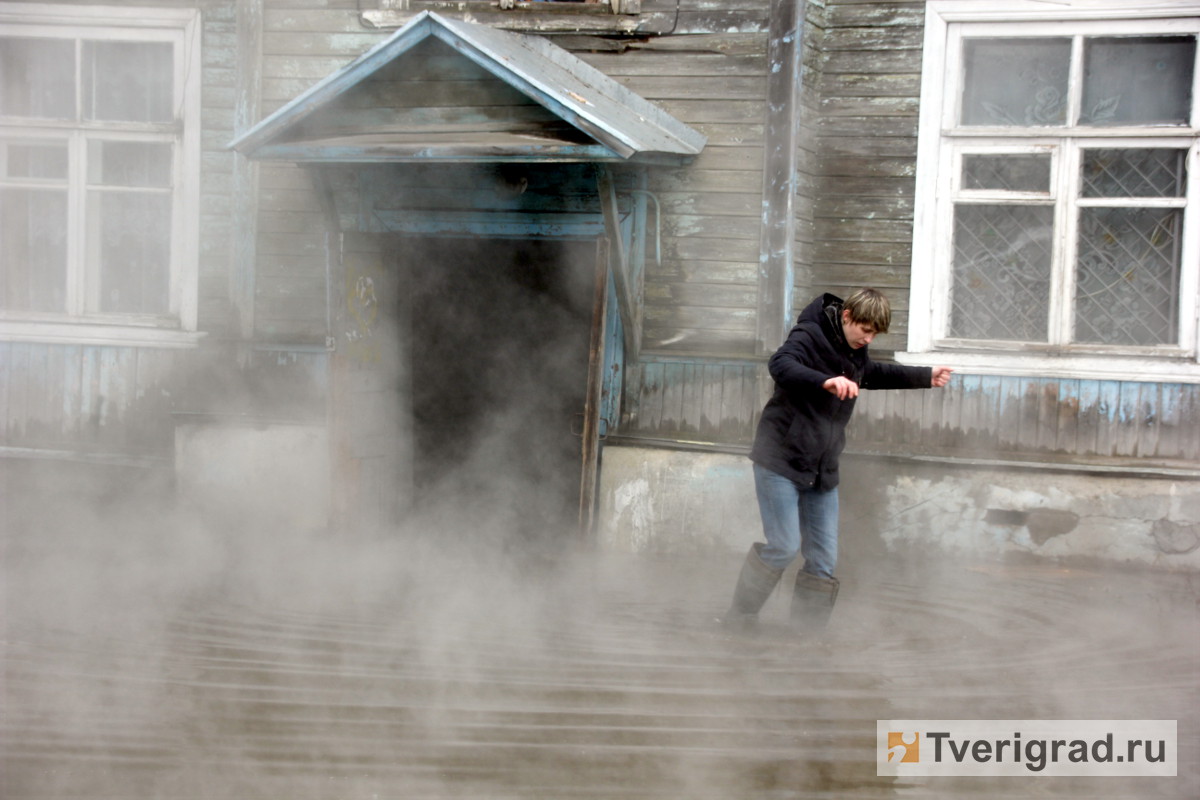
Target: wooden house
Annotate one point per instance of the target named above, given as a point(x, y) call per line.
point(330, 240)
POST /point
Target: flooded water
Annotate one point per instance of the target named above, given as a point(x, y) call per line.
point(389, 673)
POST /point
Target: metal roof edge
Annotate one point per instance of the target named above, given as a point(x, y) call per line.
point(616, 117)
point(571, 71)
point(335, 83)
point(350, 153)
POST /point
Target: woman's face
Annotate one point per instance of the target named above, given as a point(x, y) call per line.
point(857, 334)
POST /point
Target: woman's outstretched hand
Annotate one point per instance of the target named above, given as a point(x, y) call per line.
point(841, 386)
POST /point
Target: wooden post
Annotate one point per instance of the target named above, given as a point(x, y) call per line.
point(627, 298)
point(776, 270)
point(590, 472)
point(244, 255)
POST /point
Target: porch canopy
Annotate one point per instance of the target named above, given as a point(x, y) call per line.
point(424, 118)
point(440, 89)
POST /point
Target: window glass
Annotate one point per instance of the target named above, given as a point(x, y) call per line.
point(1007, 172)
point(1158, 172)
point(1127, 275)
point(36, 161)
point(127, 81)
point(129, 163)
point(1138, 80)
point(129, 239)
point(1001, 272)
point(1015, 81)
point(33, 249)
point(37, 78)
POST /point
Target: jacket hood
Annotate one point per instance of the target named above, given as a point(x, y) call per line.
point(815, 311)
point(826, 311)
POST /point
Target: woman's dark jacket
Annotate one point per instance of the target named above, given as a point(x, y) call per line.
point(803, 427)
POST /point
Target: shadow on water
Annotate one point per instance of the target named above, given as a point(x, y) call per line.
point(396, 669)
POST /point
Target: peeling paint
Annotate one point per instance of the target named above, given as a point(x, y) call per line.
point(658, 500)
point(1112, 519)
point(633, 509)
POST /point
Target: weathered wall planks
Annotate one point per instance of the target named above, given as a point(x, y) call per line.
point(700, 400)
point(1079, 421)
point(985, 417)
point(73, 397)
point(121, 401)
point(702, 298)
point(294, 258)
point(699, 379)
point(219, 48)
point(869, 88)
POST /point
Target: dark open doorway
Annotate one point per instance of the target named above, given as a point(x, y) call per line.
point(498, 334)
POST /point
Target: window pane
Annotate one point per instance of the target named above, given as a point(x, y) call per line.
point(1160, 172)
point(1137, 80)
point(1127, 278)
point(36, 161)
point(37, 78)
point(1001, 274)
point(1015, 81)
point(1013, 173)
point(129, 238)
point(129, 164)
point(128, 81)
point(33, 250)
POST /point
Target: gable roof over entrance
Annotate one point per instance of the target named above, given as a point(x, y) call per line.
point(447, 90)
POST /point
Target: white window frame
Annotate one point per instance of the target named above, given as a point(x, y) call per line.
point(939, 152)
point(81, 323)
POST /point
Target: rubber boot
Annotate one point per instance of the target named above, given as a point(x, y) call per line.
point(812, 601)
point(755, 584)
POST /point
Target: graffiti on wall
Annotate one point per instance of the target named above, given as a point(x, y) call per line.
point(360, 342)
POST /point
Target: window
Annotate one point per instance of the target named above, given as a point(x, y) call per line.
point(99, 173)
point(1058, 224)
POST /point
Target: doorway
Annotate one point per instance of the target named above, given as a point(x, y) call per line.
point(497, 334)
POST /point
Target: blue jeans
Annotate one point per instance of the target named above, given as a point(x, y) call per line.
point(797, 520)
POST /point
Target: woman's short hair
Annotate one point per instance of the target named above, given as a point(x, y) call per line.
point(869, 307)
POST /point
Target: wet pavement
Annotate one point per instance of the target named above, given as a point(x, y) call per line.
point(380, 671)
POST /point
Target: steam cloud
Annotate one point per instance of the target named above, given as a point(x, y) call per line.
point(161, 645)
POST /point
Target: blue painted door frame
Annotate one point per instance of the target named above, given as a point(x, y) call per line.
point(520, 201)
point(579, 202)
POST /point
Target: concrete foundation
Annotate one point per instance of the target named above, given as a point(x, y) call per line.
point(658, 500)
point(256, 472)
